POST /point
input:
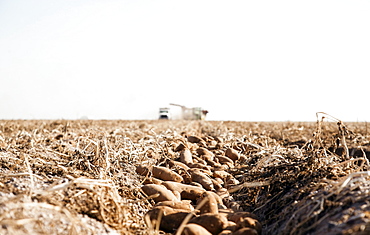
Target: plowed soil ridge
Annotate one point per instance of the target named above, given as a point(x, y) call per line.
point(78, 176)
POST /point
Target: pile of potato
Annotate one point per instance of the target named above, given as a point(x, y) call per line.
point(190, 189)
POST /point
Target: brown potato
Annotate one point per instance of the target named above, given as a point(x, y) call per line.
point(177, 164)
point(152, 180)
point(183, 205)
point(224, 167)
point(142, 170)
point(218, 139)
point(180, 147)
point(177, 195)
point(163, 193)
point(195, 229)
point(164, 173)
point(231, 226)
point(245, 231)
point(212, 144)
point(214, 163)
point(200, 166)
point(208, 155)
point(223, 193)
point(220, 174)
point(243, 158)
point(170, 219)
point(217, 184)
point(173, 221)
point(218, 180)
point(248, 222)
point(210, 206)
point(214, 223)
point(197, 184)
point(230, 180)
point(186, 157)
point(199, 160)
point(218, 199)
point(224, 160)
point(195, 139)
point(233, 205)
point(237, 215)
point(189, 192)
point(232, 154)
point(202, 178)
point(226, 232)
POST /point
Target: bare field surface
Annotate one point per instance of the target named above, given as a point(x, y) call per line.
point(157, 177)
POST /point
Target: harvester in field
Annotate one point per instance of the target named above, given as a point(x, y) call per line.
point(186, 113)
point(164, 113)
point(195, 113)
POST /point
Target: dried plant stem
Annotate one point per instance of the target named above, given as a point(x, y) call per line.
point(248, 185)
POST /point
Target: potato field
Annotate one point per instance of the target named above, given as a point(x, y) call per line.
point(184, 177)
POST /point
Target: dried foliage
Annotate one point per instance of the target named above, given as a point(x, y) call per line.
point(79, 177)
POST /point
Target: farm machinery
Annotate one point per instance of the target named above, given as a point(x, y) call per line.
point(164, 113)
point(196, 113)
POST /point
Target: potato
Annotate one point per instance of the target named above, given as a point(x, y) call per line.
point(245, 231)
point(220, 174)
point(195, 229)
point(214, 223)
point(212, 144)
point(225, 160)
point(232, 154)
point(142, 170)
point(200, 166)
point(223, 193)
point(235, 206)
point(183, 205)
point(218, 180)
point(216, 184)
point(208, 155)
point(177, 195)
point(230, 180)
point(226, 232)
point(164, 173)
point(195, 139)
point(186, 157)
point(177, 164)
point(224, 167)
point(197, 159)
point(197, 184)
point(231, 226)
point(191, 194)
point(243, 158)
point(170, 219)
point(152, 180)
point(205, 171)
point(218, 199)
point(202, 178)
point(219, 202)
point(187, 191)
point(214, 163)
point(237, 215)
point(180, 147)
point(218, 139)
point(173, 221)
point(210, 206)
point(164, 193)
point(248, 222)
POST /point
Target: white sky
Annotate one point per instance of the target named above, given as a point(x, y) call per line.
point(262, 60)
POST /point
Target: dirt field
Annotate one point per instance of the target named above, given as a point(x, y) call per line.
point(87, 177)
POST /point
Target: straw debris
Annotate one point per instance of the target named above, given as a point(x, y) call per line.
point(93, 177)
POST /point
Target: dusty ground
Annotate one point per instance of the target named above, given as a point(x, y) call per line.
point(78, 177)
